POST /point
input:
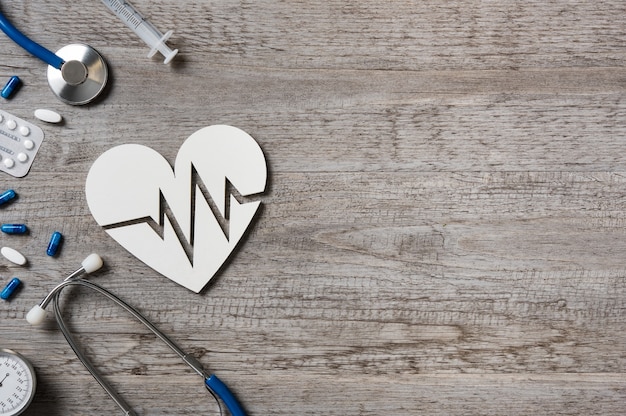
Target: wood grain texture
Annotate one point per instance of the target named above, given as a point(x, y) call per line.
point(442, 234)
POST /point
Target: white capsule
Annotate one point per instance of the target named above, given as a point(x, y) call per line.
point(48, 116)
point(13, 255)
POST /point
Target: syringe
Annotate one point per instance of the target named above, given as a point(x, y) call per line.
point(143, 28)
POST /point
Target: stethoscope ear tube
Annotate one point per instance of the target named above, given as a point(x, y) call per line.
point(31, 46)
point(216, 386)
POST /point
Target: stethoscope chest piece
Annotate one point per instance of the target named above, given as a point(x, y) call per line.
point(82, 77)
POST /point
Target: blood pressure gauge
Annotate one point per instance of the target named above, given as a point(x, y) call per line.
point(17, 383)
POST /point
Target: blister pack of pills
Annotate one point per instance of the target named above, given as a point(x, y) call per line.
point(19, 143)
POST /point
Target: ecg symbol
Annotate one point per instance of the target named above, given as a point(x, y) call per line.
point(166, 212)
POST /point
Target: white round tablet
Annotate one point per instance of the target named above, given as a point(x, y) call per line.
point(48, 116)
point(22, 157)
point(24, 131)
point(13, 255)
point(29, 144)
point(11, 124)
point(9, 163)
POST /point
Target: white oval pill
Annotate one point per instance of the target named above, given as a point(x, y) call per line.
point(48, 116)
point(29, 144)
point(9, 163)
point(22, 157)
point(13, 255)
point(24, 131)
point(11, 124)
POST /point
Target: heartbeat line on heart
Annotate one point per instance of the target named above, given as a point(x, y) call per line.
point(165, 211)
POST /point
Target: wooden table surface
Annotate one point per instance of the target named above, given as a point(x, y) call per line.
point(443, 231)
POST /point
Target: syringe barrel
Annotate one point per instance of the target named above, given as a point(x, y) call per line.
point(126, 12)
point(142, 27)
point(148, 33)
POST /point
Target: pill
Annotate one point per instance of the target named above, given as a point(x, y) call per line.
point(13, 228)
point(7, 195)
point(24, 131)
point(55, 242)
point(10, 288)
point(10, 87)
point(13, 255)
point(22, 157)
point(29, 144)
point(9, 163)
point(48, 116)
point(11, 124)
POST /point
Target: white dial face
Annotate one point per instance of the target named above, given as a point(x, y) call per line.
point(17, 383)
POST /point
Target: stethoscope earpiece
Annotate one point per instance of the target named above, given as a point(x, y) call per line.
point(37, 314)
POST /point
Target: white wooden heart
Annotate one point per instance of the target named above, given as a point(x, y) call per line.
point(183, 223)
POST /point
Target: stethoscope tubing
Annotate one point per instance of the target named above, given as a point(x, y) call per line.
point(121, 403)
point(77, 73)
point(215, 386)
point(31, 46)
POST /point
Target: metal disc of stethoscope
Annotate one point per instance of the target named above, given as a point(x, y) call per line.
point(82, 77)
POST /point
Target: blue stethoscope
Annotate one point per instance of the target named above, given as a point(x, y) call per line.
point(77, 73)
point(93, 262)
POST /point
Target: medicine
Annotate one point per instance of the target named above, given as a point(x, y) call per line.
point(48, 116)
point(6, 196)
point(29, 144)
point(10, 288)
point(10, 86)
point(13, 255)
point(55, 242)
point(13, 228)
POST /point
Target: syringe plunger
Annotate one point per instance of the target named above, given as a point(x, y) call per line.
point(154, 39)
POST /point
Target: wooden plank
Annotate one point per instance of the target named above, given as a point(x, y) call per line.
point(442, 232)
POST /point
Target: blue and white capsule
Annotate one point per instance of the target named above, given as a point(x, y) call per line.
point(54, 244)
point(10, 288)
point(7, 195)
point(14, 228)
